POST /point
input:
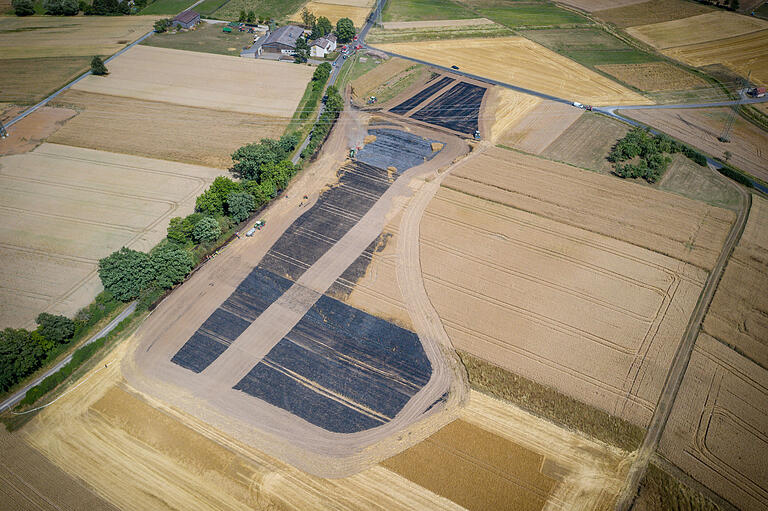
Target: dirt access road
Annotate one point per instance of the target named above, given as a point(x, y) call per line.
point(683, 355)
point(209, 396)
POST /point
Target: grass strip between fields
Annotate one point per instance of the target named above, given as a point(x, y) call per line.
point(549, 404)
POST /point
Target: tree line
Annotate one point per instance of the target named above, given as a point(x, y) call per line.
point(649, 155)
point(72, 7)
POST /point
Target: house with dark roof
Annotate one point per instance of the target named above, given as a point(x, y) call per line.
point(282, 40)
point(186, 19)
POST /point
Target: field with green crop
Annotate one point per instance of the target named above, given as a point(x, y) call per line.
point(205, 38)
point(167, 7)
point(275, 9)
point(540, 14)
point(420, 10)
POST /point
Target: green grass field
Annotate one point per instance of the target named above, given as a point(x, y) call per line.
point(278, 10)
point(205, 38)
point(589, 46)
point(421, 10)
point(531, 15)
point(378, 35)
point(167, 7)
point(208, 7)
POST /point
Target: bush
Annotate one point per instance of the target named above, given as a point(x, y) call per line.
point(23, 7)
point(333, 106)
point(97, 66)
point(206, 230)
point(61, 7)
point(162, 25)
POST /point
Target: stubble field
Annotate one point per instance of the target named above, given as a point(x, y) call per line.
point(654, 76)
point(540, 126)
point(522, 62)
point(527, 253)
point(200, 136)
point(599, 5)
point(334, 12)
point(702, 127)
point(655, 11)
point(203, 80)
point(64, 208)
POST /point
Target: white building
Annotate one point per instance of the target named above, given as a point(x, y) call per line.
point(322, 46)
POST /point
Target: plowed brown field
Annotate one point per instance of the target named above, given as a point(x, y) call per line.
point(741, 54)
point(522, 62)
point(32, 130)
point(701, 128)
point(509, 235)
point(161, 130)
point(703, 28)
point(203, 80)
point(540, 127)
point(63, 208)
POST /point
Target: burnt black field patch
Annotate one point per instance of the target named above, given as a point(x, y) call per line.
point(456, 109)
point(341, 369)
point(252, 297)
point(417, 98)
point(396, 148)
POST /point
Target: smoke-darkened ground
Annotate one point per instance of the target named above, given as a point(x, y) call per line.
point(456, 109)
point(395, 148)
point(417, 98)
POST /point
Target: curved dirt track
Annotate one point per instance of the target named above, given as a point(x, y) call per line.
point(255, 422)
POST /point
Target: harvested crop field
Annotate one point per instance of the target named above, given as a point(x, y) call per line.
point(335, 12)
point(739, 311)
point(703, 28)
point(654, 76)
point(32, 130)
point(73, 36)
point(521, 62)
point(503, 109)
point(203, 80)
point(699, 183)
point(655, 11)
point(504, 206)
point(32, 483)
point(718, 427)
point(381, 75)
point(353, 3)
point(587, 142)
point(543, 123)
point(161, 130)
point(31, 79)
point(476, 469)
point(740, 54)
point(65, 207)
point(700, 128)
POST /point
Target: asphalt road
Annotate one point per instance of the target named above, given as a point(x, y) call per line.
point(19, 395)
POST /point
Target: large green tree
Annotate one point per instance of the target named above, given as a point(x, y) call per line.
point(322, 27)
point(56, 328)
point(345, 30)
point(251, 157)
point(211, 202)
point(61, 7)
point(97, 66)
point(302, 51)
point(125, 273)
point(170, 264)
point(206, 230)
point(23, 7)
point(19, 356)
point(240, 205)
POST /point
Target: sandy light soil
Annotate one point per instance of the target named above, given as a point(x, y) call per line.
point(540, 127)
point(739, 311)
point(199, 136)
point(703, 28)
point(203, 80)
point(31, 131)
point(334, 12)
point(702, 127)
point(522, 62)
point(718, 427)
point(40, 36)
point(523, 258)
point(65, 207)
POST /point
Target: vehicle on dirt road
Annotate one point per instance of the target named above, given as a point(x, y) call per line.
point(454, 67)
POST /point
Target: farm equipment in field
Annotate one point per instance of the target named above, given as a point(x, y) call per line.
point(259, 224)
point(227, 30)
point(477, 135)
point(371, 100)
point(352, 152)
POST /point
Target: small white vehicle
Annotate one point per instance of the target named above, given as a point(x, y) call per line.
point(577, 104)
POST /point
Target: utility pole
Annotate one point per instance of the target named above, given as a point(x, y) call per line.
point(725, 136)
point(3, 133)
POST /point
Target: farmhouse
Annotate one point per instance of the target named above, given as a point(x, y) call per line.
point(282, 40)
point(186, 19)
point(321, 46)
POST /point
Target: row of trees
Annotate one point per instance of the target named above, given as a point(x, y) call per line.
point(72, 7)
point(333, 107)
point(264, 169)
point(345, 29)
point(648, 155)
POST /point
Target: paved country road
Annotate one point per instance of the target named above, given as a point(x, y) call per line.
point(19, 395)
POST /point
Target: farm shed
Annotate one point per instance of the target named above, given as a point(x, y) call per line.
point(282, 40)
point(186, 19)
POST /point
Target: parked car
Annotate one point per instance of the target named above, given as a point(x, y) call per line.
point(454, 67)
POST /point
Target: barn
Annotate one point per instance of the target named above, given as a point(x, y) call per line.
point(186, 19)
point(282, 40)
